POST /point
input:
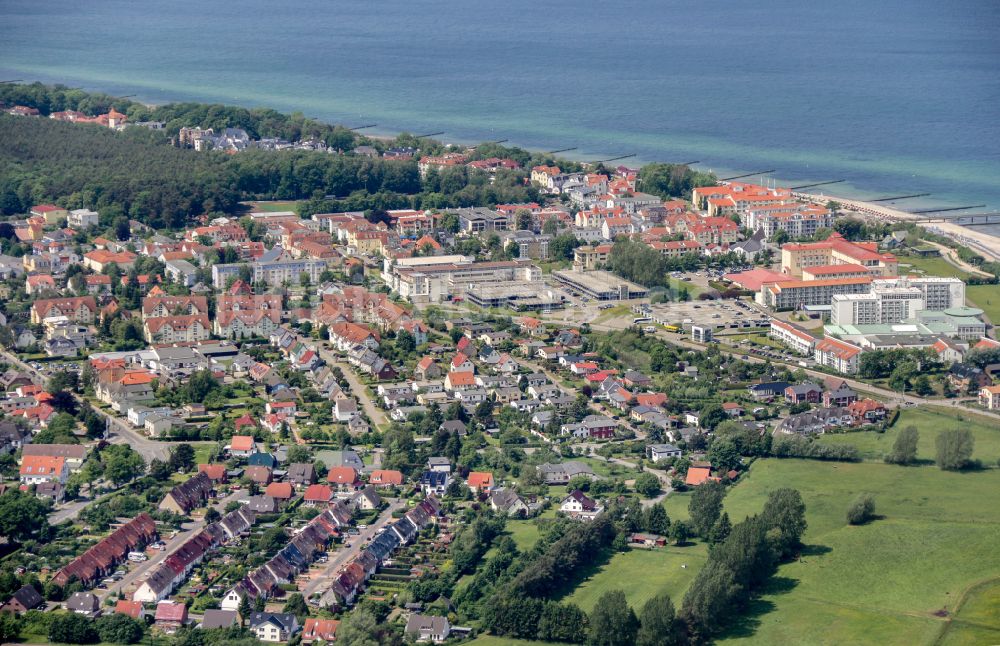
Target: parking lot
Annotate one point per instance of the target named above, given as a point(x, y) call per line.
point(722, 315)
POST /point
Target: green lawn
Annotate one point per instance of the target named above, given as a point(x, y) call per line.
point(929, 422)
point(202, 451)
point(641, 574)
point(986, 298)
point(525, 532)
point(882, 582)
point(490, 640)
point(932, 266)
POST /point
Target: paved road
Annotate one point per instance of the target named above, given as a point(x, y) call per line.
point(319, 581)
point(70, 510)
point(890, 397)
point(598, 407)
point(121, 432)
point(138, 571)
point(375, 414)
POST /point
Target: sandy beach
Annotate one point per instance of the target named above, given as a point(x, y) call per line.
point(984, 244)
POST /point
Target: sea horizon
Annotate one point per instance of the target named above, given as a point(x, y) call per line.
point(922, 124)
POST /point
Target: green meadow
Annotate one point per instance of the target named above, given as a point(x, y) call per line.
point(929, 423)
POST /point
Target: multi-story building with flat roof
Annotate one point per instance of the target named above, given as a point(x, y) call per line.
point(896, 300)
point(792, 294)
point(797, 339)
point(835, 250)
point(436, 279)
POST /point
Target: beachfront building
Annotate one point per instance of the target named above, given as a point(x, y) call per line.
point(797, 220)
point(835, 250)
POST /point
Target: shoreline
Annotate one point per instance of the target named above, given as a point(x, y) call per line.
point(984, 244)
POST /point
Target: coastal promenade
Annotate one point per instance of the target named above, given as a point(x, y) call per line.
point(982, 243)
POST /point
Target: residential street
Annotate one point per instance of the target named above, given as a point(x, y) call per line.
point(377, 416)
point(139, 571)
point(120, 432)
point(598, 407)
point(889, 397)
point(318, 581)
point(69, 511)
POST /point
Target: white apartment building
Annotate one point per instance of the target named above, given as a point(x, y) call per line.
point(939, 293)
point(450, 276)
point(787, 334)
point(273, 273)
point(82, 218)
point(895, 300)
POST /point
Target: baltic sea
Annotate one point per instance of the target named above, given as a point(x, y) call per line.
point(895, 97)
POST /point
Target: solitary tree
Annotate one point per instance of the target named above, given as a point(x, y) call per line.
point(954, 449)
point(861, 510)
point(647, 484)
point(904, 449)
point(679, 532)
point(784, 511)
point(182, 457)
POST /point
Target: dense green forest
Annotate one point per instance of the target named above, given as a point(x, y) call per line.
point(137, 172)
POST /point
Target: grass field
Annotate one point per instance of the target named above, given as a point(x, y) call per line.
point(525, 532)
point(899, 579)
point(202, 451)
point(641, 574)
point(986, 298)
point(490, 640)
point(882, 582)
point(932, 266)
point(929, 423)
point(978, 619)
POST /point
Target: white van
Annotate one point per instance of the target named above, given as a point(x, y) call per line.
point(137, 557)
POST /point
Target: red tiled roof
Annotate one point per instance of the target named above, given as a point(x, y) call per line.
point(214, 471)
point(480, 479)
point(342, 475)
point(697, 475)
point(241, 443)
point(282, 490)
point(318, 493)
point(132, 609)
point(386, 477)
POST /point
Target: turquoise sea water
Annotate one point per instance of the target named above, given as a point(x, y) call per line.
point(895, 96)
